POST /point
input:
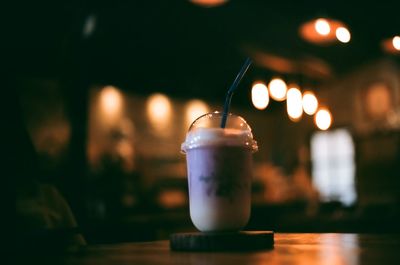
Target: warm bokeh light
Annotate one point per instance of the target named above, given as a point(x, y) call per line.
point(208, 3)
point(323, 119)
point(159, 111)
point(322, 26)
point(324, 31)
point(194, 109)
point(89, 26)
point(277, 89)
point(396, 42)
point(378, 100)
point(391, 45)
point(310, 102)
point(294, 103)
point(172, 198)
point(111, 101)
point(343, 34)
point(259, 96)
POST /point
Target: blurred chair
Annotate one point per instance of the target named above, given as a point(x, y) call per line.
point(44, 220)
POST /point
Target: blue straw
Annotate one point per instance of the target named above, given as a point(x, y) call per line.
point(232, 89)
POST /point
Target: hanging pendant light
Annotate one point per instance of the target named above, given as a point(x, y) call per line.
point(323, 119)
point(294, 103)
point(259, 96)
point(392, 45)
point(277, 89)
point(310, 102)
point(324, 30)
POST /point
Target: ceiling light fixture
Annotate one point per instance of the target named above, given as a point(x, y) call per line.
point(294, 104)
point(259, 95)
point(322, 27)
point(396, 42)
point(343, 34)
point(310, 102)
point(324, 31)
point(392, 45)
point(277, 89)
point(323, 119)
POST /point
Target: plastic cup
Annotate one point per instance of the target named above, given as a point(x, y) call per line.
point(219, 167)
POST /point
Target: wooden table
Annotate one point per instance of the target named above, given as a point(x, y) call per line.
point(289, 249)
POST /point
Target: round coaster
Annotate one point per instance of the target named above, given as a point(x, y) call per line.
point(229, 241)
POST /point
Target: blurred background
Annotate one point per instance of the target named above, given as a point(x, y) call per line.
point(108, 89)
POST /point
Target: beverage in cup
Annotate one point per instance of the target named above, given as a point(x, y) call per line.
point(219, 167)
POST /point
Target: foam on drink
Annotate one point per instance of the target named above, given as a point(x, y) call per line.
point(218, 136)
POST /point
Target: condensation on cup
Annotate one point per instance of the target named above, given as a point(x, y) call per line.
point(219, 167)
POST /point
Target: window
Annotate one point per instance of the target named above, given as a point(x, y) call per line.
point(333, 167)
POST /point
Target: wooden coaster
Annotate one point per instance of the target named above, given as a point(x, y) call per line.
point(229, 241)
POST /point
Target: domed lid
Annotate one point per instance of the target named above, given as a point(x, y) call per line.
point(206, 130)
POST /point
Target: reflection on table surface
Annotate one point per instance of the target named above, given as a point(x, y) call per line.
point(289, 249)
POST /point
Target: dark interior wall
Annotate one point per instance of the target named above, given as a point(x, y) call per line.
point(378, 162)
point(376, 136)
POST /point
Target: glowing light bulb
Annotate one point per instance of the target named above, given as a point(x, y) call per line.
point(277, 89)
point(259, 96)
point(343, 34)
point(310, 102)
point(159, 112)
point(322, 26)
point(294, 104)
point(396, 42)
point(110, 101)
point(323, 119)
point(194, 109)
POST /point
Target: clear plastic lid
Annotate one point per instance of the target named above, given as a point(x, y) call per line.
point(206, 131)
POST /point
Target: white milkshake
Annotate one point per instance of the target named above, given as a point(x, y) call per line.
point(219, 164)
